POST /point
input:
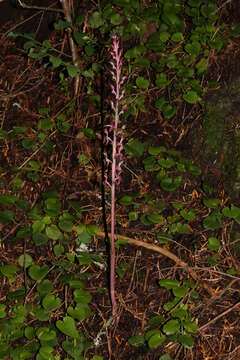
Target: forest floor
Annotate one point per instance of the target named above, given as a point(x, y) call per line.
point(213, 300)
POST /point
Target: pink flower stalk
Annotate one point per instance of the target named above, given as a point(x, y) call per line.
point(115, 136)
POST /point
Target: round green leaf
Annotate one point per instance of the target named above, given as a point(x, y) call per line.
point(53, 232)
point(180, 291)
point(156, 340)
point(165, 357)
point(137, 340)
point(142, 83)
point(58, 250)
point(191, 97)
point(82, 296)
point(213, 221)
point(68, 327)
point(29, 332)
point(36, 272)
point(177, 37)
point(186, 340)
point(50, 302)
point(45, 287)
point(156, 218)
point(116, 19)
point(212, 203)
point(96, 20)
point(213, 244)
point(40, 239)
point(190, 326)
point(80, 312)
point(171, 327)
point(25, 260)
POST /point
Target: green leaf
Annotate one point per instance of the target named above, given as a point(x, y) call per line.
point(85, 237)
point(194, 170)
point(38, 226)
point(163, 237)
point(142, 83)
point(212, 203)
point(156, 218)
point(188, 215)
point(58, 250)
point(186, 340)
point(40, 313)
point(68, 327)
point(213, 244)
point(161, 80)
point(52, 206)
point(167, 163)
point(116, 19)
point(137, 340)
point(135, 148)
point(45, 124)
point(65, 224)
point(233, 213)
point(164, 36)
point(92, 229)
point(29, 144)
point(165, 357)
point(171, 327)
point(37, 273)
point(83, 159)
point(201, 66)
point(180, 312)
point(172, 61)
point(74, 348)
point(190, 326)
point(191, 97)
point(25, 260)
point(213, 221)
point(134, 52)
point(2, 311)
point(193, 48)
point(180, 292)
point(95, 20)
point(45, 287)
point(53, 232)
point(6, 216)
point(82, 296)
point(80, 312)
point(29, 332)
point(133, 215)
point(156, 320)
point(56, 62)
point(155, 150)
point(9, 271)
point(73, 71)
point(169, 184)
point(177, 37)
point(50, 302)
point(169, 284)
point(40, 239)
point(156, 340)
point(7, 199)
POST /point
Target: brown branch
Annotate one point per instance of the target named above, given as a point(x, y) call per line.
point(75, 58)
point(167, 254)
point(24, 6)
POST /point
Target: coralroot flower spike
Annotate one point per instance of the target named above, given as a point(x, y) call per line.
point(115, 136)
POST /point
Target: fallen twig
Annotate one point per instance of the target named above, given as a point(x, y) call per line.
point(167, 254)
point(219, 317)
